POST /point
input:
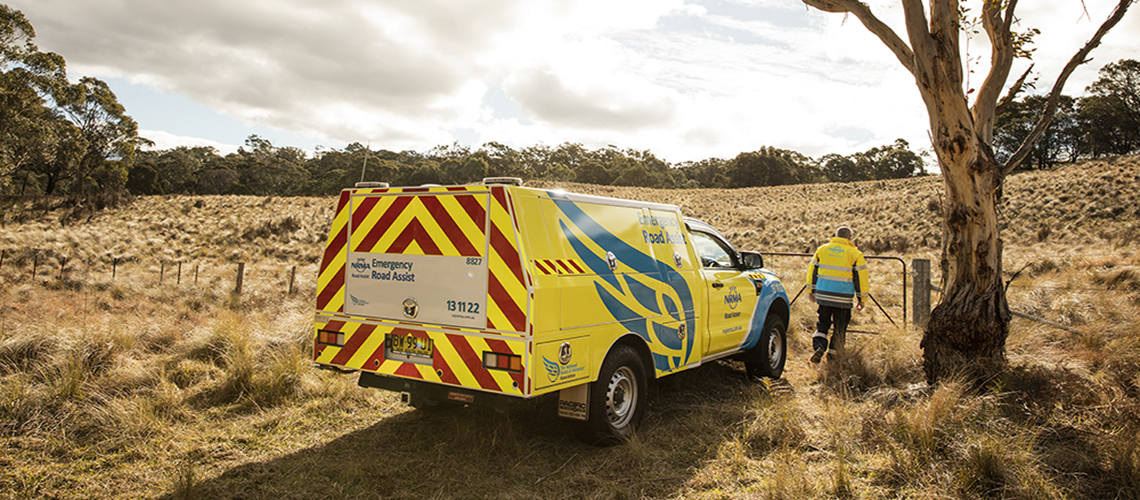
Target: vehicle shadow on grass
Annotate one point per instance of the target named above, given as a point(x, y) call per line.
point(526, 452)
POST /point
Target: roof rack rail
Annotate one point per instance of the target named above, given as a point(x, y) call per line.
point(503, 180)
point(371, 184)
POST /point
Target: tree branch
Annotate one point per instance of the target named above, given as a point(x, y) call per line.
point(917, 30)
point(872, 23)
point(1012, 93)
point(1055, 95)
point(1001, 59)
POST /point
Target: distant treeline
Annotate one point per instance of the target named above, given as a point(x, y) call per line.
point(60, 138)
point(259, 168)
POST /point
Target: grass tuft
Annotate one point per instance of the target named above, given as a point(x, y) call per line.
point(1124, 464)
point(25, 352)
point(777, 425)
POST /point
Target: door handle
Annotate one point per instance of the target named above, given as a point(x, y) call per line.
point(718, 285)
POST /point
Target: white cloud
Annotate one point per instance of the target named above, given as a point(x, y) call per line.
point(165, 140)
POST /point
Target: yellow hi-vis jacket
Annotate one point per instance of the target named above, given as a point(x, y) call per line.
point(838, 274)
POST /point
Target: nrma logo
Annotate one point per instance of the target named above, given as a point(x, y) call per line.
point(361, 265)
point(732, 298)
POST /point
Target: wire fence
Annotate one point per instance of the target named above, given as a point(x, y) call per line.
point(41, 267)
point(893, 281)
point(889, 276)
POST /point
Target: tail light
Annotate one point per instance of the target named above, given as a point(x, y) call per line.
point(328, 337)
point(499, 361)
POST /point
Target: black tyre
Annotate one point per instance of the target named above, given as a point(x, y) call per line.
point(617, 399)
point(771, 352)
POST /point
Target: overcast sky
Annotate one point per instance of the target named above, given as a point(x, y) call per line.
point(685, 79)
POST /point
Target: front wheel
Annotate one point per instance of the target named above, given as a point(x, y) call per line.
point(771, 351)
point(617, 398)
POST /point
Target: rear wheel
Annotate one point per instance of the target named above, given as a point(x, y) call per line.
point(771, 352)
point(617, 398)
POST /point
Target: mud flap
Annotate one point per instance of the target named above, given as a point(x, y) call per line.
point(574, 402)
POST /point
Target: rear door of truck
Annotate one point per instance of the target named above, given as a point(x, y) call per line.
point(419, 256)
point(427, 284)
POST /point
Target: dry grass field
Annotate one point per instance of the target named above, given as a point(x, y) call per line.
point(123, 377)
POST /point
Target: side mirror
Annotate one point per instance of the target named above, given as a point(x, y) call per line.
point(752, 260)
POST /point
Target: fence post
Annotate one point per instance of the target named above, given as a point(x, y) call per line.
point(241, 271)
point(292, 276)
point(179, 282)
point(161, 271)
point(921, 291)
point(195, 274)
point(114, 267)
point(35, 264)
point(1, 259)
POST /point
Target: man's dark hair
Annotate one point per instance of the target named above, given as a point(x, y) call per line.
point(844, 232)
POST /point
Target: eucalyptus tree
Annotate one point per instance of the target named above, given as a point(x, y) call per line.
point(1110, 115)
point(31, 130)
point(967, 330)
point(110, 136)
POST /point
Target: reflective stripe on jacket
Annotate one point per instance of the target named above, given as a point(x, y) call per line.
point(838, 274)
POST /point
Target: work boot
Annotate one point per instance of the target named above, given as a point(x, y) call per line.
point(816, 356)
point(832, 354)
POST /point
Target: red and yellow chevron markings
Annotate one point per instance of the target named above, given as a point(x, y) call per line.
point(457, 360)
point(429, 224)
point(558, 266)
point(330, 278)
point(454, 221)
point(506, 281)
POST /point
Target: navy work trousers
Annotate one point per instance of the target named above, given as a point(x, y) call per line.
point(831, 316)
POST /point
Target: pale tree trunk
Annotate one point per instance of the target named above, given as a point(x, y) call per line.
point(967, 331)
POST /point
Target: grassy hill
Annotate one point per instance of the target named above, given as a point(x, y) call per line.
point(123, 377)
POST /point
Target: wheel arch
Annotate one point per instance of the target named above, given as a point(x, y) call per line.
point(641, 347)
point(780, 308)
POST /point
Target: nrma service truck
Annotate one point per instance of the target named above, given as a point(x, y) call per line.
point(480, 294)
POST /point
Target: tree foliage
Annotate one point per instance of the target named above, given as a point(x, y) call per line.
point(1062, 138)
point(893, 161)
point(1112, 111)
point(261, 168)
point(53, 133)
point(1106, 122)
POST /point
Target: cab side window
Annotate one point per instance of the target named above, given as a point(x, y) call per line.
point(712, 254)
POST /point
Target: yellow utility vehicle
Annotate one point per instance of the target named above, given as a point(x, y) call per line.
point(479, 294)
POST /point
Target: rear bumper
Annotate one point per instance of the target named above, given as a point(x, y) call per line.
point(457, 360)
point(419, 394)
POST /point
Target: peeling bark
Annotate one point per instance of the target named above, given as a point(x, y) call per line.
point(967, 331)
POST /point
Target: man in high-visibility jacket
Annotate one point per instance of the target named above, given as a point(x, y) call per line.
point(838, 281)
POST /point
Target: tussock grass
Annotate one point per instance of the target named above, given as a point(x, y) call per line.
point(136, 387)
